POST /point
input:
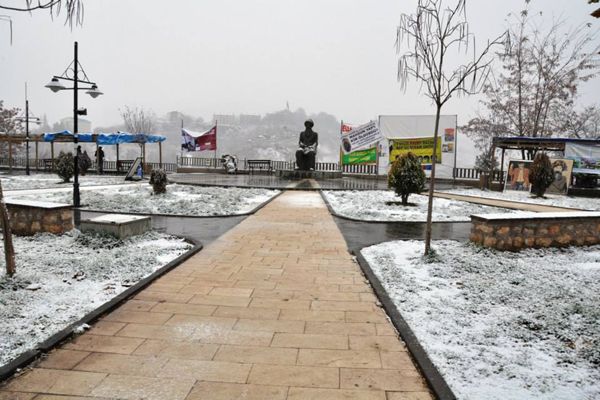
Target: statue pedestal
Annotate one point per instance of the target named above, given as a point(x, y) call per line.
point(298, 174)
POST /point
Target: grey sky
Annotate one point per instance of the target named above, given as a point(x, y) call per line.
point(203, 57)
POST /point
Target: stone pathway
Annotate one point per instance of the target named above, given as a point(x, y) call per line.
point(273, 309)
point(514, 205)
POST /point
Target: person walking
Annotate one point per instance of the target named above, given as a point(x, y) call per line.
point(100, 160)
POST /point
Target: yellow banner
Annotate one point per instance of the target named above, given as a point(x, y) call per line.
point(421, 147)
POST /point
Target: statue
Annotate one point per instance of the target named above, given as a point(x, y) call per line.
point(307, 148)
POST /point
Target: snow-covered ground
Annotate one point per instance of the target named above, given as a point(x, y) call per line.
point(582, 203)
point(371, 205)
point(501, 325)
point(179, 199)
point(42, 181)
point(61, 278)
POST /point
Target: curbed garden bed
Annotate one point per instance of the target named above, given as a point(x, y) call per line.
point(178, 200)
point(378, 205)
point(500, 325)
point(59, 279)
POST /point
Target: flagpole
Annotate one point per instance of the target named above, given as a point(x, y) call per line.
point(341, 154)
point(216, 124)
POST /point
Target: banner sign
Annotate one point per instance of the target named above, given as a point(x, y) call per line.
point(421, 147)
point(360, 137)
point(368, 156)
point(586, 158)
point(199, 141)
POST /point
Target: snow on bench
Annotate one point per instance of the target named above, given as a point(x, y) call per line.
point(119, 225)
point(521, 230)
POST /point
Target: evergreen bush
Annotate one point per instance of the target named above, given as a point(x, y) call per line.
point(406, 176)
point(541, 174)
point(65, 166)
point(158, 180)
point(85, 162)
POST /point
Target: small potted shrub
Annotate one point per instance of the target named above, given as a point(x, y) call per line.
point(158, 180)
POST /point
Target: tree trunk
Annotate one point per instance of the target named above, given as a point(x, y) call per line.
point(9, 250)
point(404, 199)
point(432, 182)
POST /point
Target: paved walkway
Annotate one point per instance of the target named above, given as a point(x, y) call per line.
point(514, 205)
point(273, 309)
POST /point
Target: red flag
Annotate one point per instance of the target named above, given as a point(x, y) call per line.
point(208, 140)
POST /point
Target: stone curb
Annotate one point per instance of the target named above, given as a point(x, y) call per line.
point(8, 370)
point(434, 379)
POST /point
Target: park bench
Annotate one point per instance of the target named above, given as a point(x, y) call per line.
point(260, 165)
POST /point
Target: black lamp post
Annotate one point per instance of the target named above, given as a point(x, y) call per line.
point(72, 74)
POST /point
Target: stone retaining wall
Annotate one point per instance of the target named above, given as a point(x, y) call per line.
point(537, 230)
point(27, 219)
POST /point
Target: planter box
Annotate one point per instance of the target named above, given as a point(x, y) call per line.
point(30, 217)
point(118, 225)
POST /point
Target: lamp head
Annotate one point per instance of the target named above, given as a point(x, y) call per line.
point(55, 85)
point(94, 92)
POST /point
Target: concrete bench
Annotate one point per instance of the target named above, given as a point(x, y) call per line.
point(520, 230)
point(30, 217)
point(118, 225)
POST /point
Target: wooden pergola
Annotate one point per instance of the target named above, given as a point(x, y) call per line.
point(536, 144)
point(18, 139)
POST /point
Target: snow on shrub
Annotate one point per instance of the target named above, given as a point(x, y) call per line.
point(65, 166)
point(158, 180)
point(541, 175)
point(406, 176)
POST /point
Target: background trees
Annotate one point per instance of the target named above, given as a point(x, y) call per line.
point(534, 94)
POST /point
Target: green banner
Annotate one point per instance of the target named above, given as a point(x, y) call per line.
point(368, 156)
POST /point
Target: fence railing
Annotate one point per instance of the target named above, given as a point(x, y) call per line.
point(46, 164)
point(475, 174)
point(279, 165)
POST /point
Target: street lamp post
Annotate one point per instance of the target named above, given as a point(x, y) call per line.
point(26, 118)
point(55, 85)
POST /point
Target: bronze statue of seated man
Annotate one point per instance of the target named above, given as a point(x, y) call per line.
point(307, 148)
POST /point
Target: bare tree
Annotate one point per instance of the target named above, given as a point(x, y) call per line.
point(9, 250)
point(140, 122)
point(423, 42)
point(534, 94)
point(8, 125)
point(73, 9)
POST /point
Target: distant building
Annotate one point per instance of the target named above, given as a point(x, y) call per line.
point(249, 119)
point(225, 119)
point(83, 125)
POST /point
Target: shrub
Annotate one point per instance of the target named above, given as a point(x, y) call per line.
point(85, 162)
point(158, 180)
point(406, 176)
point(541, 174)
point(65, 166)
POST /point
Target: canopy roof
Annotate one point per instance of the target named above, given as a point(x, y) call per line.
point(548, 144)
point(104, 138)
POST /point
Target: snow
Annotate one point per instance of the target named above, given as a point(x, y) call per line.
point(72, 274)
point(179, 199)
point(42, 181)
point(582, 203)
point(501, 325)
point(371, 205)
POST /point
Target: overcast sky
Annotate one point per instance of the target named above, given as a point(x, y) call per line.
point(237, 56)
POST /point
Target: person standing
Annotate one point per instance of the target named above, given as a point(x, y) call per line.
point(100, 160)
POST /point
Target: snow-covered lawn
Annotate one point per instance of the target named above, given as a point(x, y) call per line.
point(179, 199)
point(371, 205)
point(43, 181)
point(61, 278)
point(583, 203)
point(501, 325)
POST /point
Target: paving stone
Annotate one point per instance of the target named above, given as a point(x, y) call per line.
point(339, 358)
point(216, 371)
point(229, 391)
point(62, 359)
point(383, 343)
point(409, 396)
point(55, 381)
point(136, 388)
point(257, 355)
point(340, 328)
point(173, 349)
point(104, 344)
point(308, 341)
point(269, 326)
point(122, 364)
point(138, 317)
point(17, 396)
point(296, 393)
point(312, 315)
point(294, 376)
point(372, 379)
point(178, 308)
point(247, 313)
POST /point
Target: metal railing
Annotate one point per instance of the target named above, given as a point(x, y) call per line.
point(475, 174)
point(46, 164)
